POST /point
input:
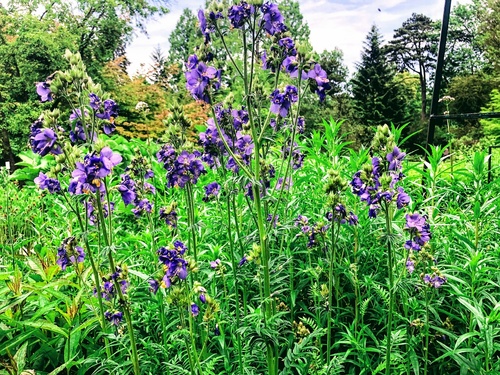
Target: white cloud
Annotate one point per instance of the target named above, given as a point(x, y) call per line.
point(333, 23)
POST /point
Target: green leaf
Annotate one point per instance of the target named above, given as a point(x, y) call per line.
point(43, 324)
point(20, 357)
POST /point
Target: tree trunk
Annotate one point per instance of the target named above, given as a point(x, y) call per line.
point(7, 154)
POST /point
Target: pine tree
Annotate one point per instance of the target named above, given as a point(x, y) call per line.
point(378, 99)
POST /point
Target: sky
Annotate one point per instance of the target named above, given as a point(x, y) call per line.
point(333, 23)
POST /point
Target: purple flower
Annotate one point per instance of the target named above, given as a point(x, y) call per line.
point(203, 26)
point(94, 101)
point(200, 77)
point(281, 102)
point(419, 231)
point(144, 205)
point(434, 280)
point(69, 254)
point(291, 66)
point(395, 158)
point(238, 14)
point(114, 318)
point(87, 175)
point(321, 80)
point(175, 266)
point(44, 182)
point(402, 199)
point(44, 141)
point(110, 111)
point(127, 189)
point(410, 266)
point(153, 285)
point(297, 159)
point(240, 117)
point(211, 191)
point(195, 310)
point(272, 19)
point(43, 90)
point(243, 261)
point(203, 298)
point(215, 263)
point(169, 215)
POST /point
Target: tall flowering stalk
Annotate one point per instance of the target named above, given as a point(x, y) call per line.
point(338, 215)
point(377, 185)
point(88, 183)
point(241, 141)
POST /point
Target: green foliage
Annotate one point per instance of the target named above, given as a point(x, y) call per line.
point(492, 126)
point(414, 48)
point(379, 95)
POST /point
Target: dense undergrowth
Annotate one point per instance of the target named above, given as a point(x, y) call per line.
point(258, 251)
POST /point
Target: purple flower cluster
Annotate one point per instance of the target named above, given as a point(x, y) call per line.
point(239, 14)
point(69, 254)
point(339, 214)
point(107, 111)
point(311, 231)
point(272, 19)
point(114, 318)
point(169, 215)
point(435, 280)
point(281, 102)
point(212, 190)
point(297, 159)
point(200, 77)
point(320, 81)
point(43, 90)
point(174, 264)
point(419, 230)
point(45, 182)
point(43, 140)
point(376, 183)
point(195, 310)
point(87, 177)
point(231, 121)
point(92, 215)
point(108, 291)
point(133, 191)
point(181, 168)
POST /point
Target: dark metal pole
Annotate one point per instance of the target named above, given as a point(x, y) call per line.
point(439, 73)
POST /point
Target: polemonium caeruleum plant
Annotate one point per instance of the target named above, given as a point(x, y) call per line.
point(378, 185)
point(238, 137)
point(81, 177)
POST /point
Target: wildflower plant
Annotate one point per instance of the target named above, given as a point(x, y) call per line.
point(81, 177)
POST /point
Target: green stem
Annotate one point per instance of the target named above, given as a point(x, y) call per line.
point(236, 283)
point(95, 273)
point(191, 218)
point(193, 344)
point(426, 347)
point(121, 298)
point(332, 275)
point(390, 263)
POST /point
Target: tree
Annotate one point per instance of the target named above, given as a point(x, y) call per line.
point(295, 20)
point(377, 96)
point(33, 38)
point(184, 38)
point(489, 30)
point(464, 53)
point(414, 48)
